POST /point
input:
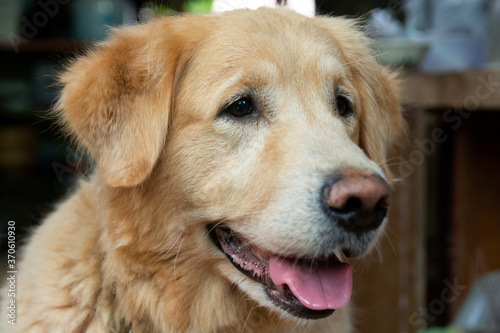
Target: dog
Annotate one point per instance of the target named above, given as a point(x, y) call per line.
point(240, 166)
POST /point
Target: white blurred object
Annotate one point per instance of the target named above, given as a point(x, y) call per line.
point(418, 15)
point(305, 7)
point(383, 24)
point(457, 33)
point(481, 309)
point(493, 35)
point(453, 53)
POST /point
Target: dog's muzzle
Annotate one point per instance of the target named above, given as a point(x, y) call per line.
point(355, 203)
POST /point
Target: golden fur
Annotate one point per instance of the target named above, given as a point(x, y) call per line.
point(129, 248)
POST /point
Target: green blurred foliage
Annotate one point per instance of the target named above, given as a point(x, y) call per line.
point(198, 6)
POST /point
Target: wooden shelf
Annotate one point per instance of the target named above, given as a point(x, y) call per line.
point(471, 90)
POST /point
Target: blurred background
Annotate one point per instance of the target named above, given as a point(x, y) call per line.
point(438, 267)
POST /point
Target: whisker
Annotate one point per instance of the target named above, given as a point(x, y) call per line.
point(386, 236)
point(215, 226)
point(246, 320)
point(176, 256)
point(170, 249)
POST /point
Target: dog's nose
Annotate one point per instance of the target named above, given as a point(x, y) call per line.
point(356, 200)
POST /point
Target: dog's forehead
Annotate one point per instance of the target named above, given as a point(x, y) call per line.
point(262, 48)
point(272, 36)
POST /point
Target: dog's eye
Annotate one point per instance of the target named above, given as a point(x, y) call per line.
point(241, 108)
point(344, 107)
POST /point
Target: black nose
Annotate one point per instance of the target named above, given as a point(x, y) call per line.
point(356, 200)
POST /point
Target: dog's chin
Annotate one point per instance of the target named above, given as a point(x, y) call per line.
point(289, 282)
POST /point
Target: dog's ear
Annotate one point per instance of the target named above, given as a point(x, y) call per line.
point(381, 121)
point(116, 100)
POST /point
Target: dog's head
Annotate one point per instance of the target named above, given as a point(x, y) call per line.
point(263, 133)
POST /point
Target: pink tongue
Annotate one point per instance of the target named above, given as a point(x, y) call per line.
point(321, 288)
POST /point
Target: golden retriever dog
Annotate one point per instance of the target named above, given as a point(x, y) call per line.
point(240, 164)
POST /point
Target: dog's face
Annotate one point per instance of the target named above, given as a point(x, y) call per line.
point(262, 133)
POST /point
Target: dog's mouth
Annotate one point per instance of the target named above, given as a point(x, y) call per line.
point(304, 287)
